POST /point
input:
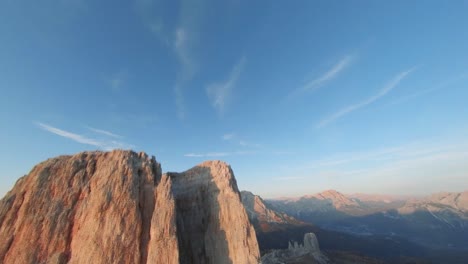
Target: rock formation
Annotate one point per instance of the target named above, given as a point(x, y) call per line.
point(117, 207)
point(312, 246)
point(309, 252)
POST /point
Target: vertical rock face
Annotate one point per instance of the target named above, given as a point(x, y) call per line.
point(117, 207)
point(215, 225)
point(311, 243)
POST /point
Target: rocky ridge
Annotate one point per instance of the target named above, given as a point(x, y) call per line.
point(455, 202)
point(117, 207)
point(264, 218)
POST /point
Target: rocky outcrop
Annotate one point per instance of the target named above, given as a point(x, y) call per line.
point(309, 252)
point(117, 207)
point(312, 246)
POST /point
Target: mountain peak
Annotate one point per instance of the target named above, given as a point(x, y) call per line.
point(331, 193)
point(338, 199)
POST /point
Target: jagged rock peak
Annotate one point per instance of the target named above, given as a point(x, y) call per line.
point(311, 243)
point(117, 207)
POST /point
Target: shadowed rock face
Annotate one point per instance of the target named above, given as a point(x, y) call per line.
point(117, 207)
point(215, 225)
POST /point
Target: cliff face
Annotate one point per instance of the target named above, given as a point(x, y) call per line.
point(117, 207)
point(216, 226)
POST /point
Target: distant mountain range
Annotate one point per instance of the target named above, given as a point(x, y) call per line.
point(276, 229)
point(332, 205)
point(438, 221)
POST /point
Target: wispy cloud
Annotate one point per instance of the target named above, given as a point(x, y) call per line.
point(187, 70)
point(104, 132)
point(248, 144)
point(103, 144)
point(234, 138)
point(423, 171)
point(288, 178)
point(219, 93)
point(75, 137)
point(217, 154)
point(252, 151)
point(422, 92)
point(406, 151)
point(329, 75)
point(210, 154)
point(117, 80)
point(181, 42)
point(179, 37)
point(228, 136)
point(332, 73)
point(386, 89)
point(152, 14)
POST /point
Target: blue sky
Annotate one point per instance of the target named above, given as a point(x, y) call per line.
point(299, 97)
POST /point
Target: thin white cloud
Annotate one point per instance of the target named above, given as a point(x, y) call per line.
point(183, 39)
point(288, 178)
point(211, 154)
point(179, 37)
point(429, 90)
point(329, 75)
point(75, 137)
point(104, 132)
point(387, 88)
point(362, 162)
point(219, 93)
point(234, 138)
point(103, 144)
point(332, 73)
point(181, 47)
point(248, 144)
point(228, 136)
point(152, 13)
point(237, 153)
point(117, 80)
point(217, 154)
point(243, 143)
